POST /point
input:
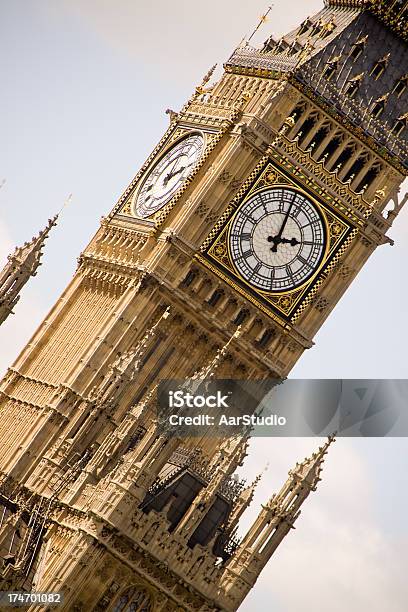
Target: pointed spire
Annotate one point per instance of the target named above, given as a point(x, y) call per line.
point(131, 359)
point(200, 89)
point(308, 472)
point(20, 265)
point(208, 371)
point(243, 501)
point(29, 255)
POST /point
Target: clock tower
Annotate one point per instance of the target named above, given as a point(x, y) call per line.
point(265, 197)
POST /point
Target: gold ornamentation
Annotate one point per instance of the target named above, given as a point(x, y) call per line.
point(215, 250)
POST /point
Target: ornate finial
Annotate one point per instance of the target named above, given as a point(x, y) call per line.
point(65, 204)
point(288, 124)
point(201, 88)
point(258, 478)
point(172, 114)
point(263, 19)
point(309, 470)
point(208, 371)
point(379, 195)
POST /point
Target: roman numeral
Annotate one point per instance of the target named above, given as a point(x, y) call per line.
point(304, 261)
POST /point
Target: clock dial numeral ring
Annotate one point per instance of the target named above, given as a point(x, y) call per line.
point(277, 240)
point(167, 176)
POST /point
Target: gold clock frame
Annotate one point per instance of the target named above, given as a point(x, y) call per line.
point(210, 139)
point(215, 252)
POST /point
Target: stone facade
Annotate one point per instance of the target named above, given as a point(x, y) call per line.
point(96, 501)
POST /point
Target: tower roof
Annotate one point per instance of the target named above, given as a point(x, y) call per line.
point(365, 39)
point(393, 13)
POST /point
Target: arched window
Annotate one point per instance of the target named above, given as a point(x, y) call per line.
point(191, 275)
point(367, 180)
point(266, 338)
point(400, 125)
point(358, 47)
point(304, 27)
point(355, 169)
point(316, 28)
point(353, 85)
point(330, 70)
point(378, 109)
point(379, 68)
point(400, 86)
point(320, 136)
point(241, 317)
point(296, 115)
point(328, 28)
point(215, 298)
point(304, 131)
point(135, 599)
point(331, 148)
point(344, 157)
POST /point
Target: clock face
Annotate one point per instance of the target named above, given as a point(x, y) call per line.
point(277, 239)
point(168, 175)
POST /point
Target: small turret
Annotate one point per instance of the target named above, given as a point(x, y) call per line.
point(22, 264)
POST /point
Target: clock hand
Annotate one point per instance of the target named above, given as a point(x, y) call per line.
point(169, 176)
point(292, 241)
point(278, 238)
point(166, 179)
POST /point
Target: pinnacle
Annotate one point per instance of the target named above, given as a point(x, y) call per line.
point(310, 469)
point(34, 246)
point(208, 371)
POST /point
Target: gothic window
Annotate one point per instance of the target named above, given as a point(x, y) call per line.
point(356, 52)
point(378, 108)
point(304, 27)
point(400, 125)
point(317, 28)
point(331, 148)
point(268, 540)
point(320, 136)
point(400, 86)
point(344, 157)
point(306, 128)
point(266, 338)
point(241, 317)
point(355, 169)
point(330, 69)
point(357, 48)
point(353, 85)
point(294, 48)
point(135, 599)
point(379, 68)
point(215, 298)
point(298, 111)
point(136, 438)
point(328, 28)
point(191, 275)
point(368, 179)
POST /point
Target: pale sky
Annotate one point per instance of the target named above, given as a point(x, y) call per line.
point(84, 87)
